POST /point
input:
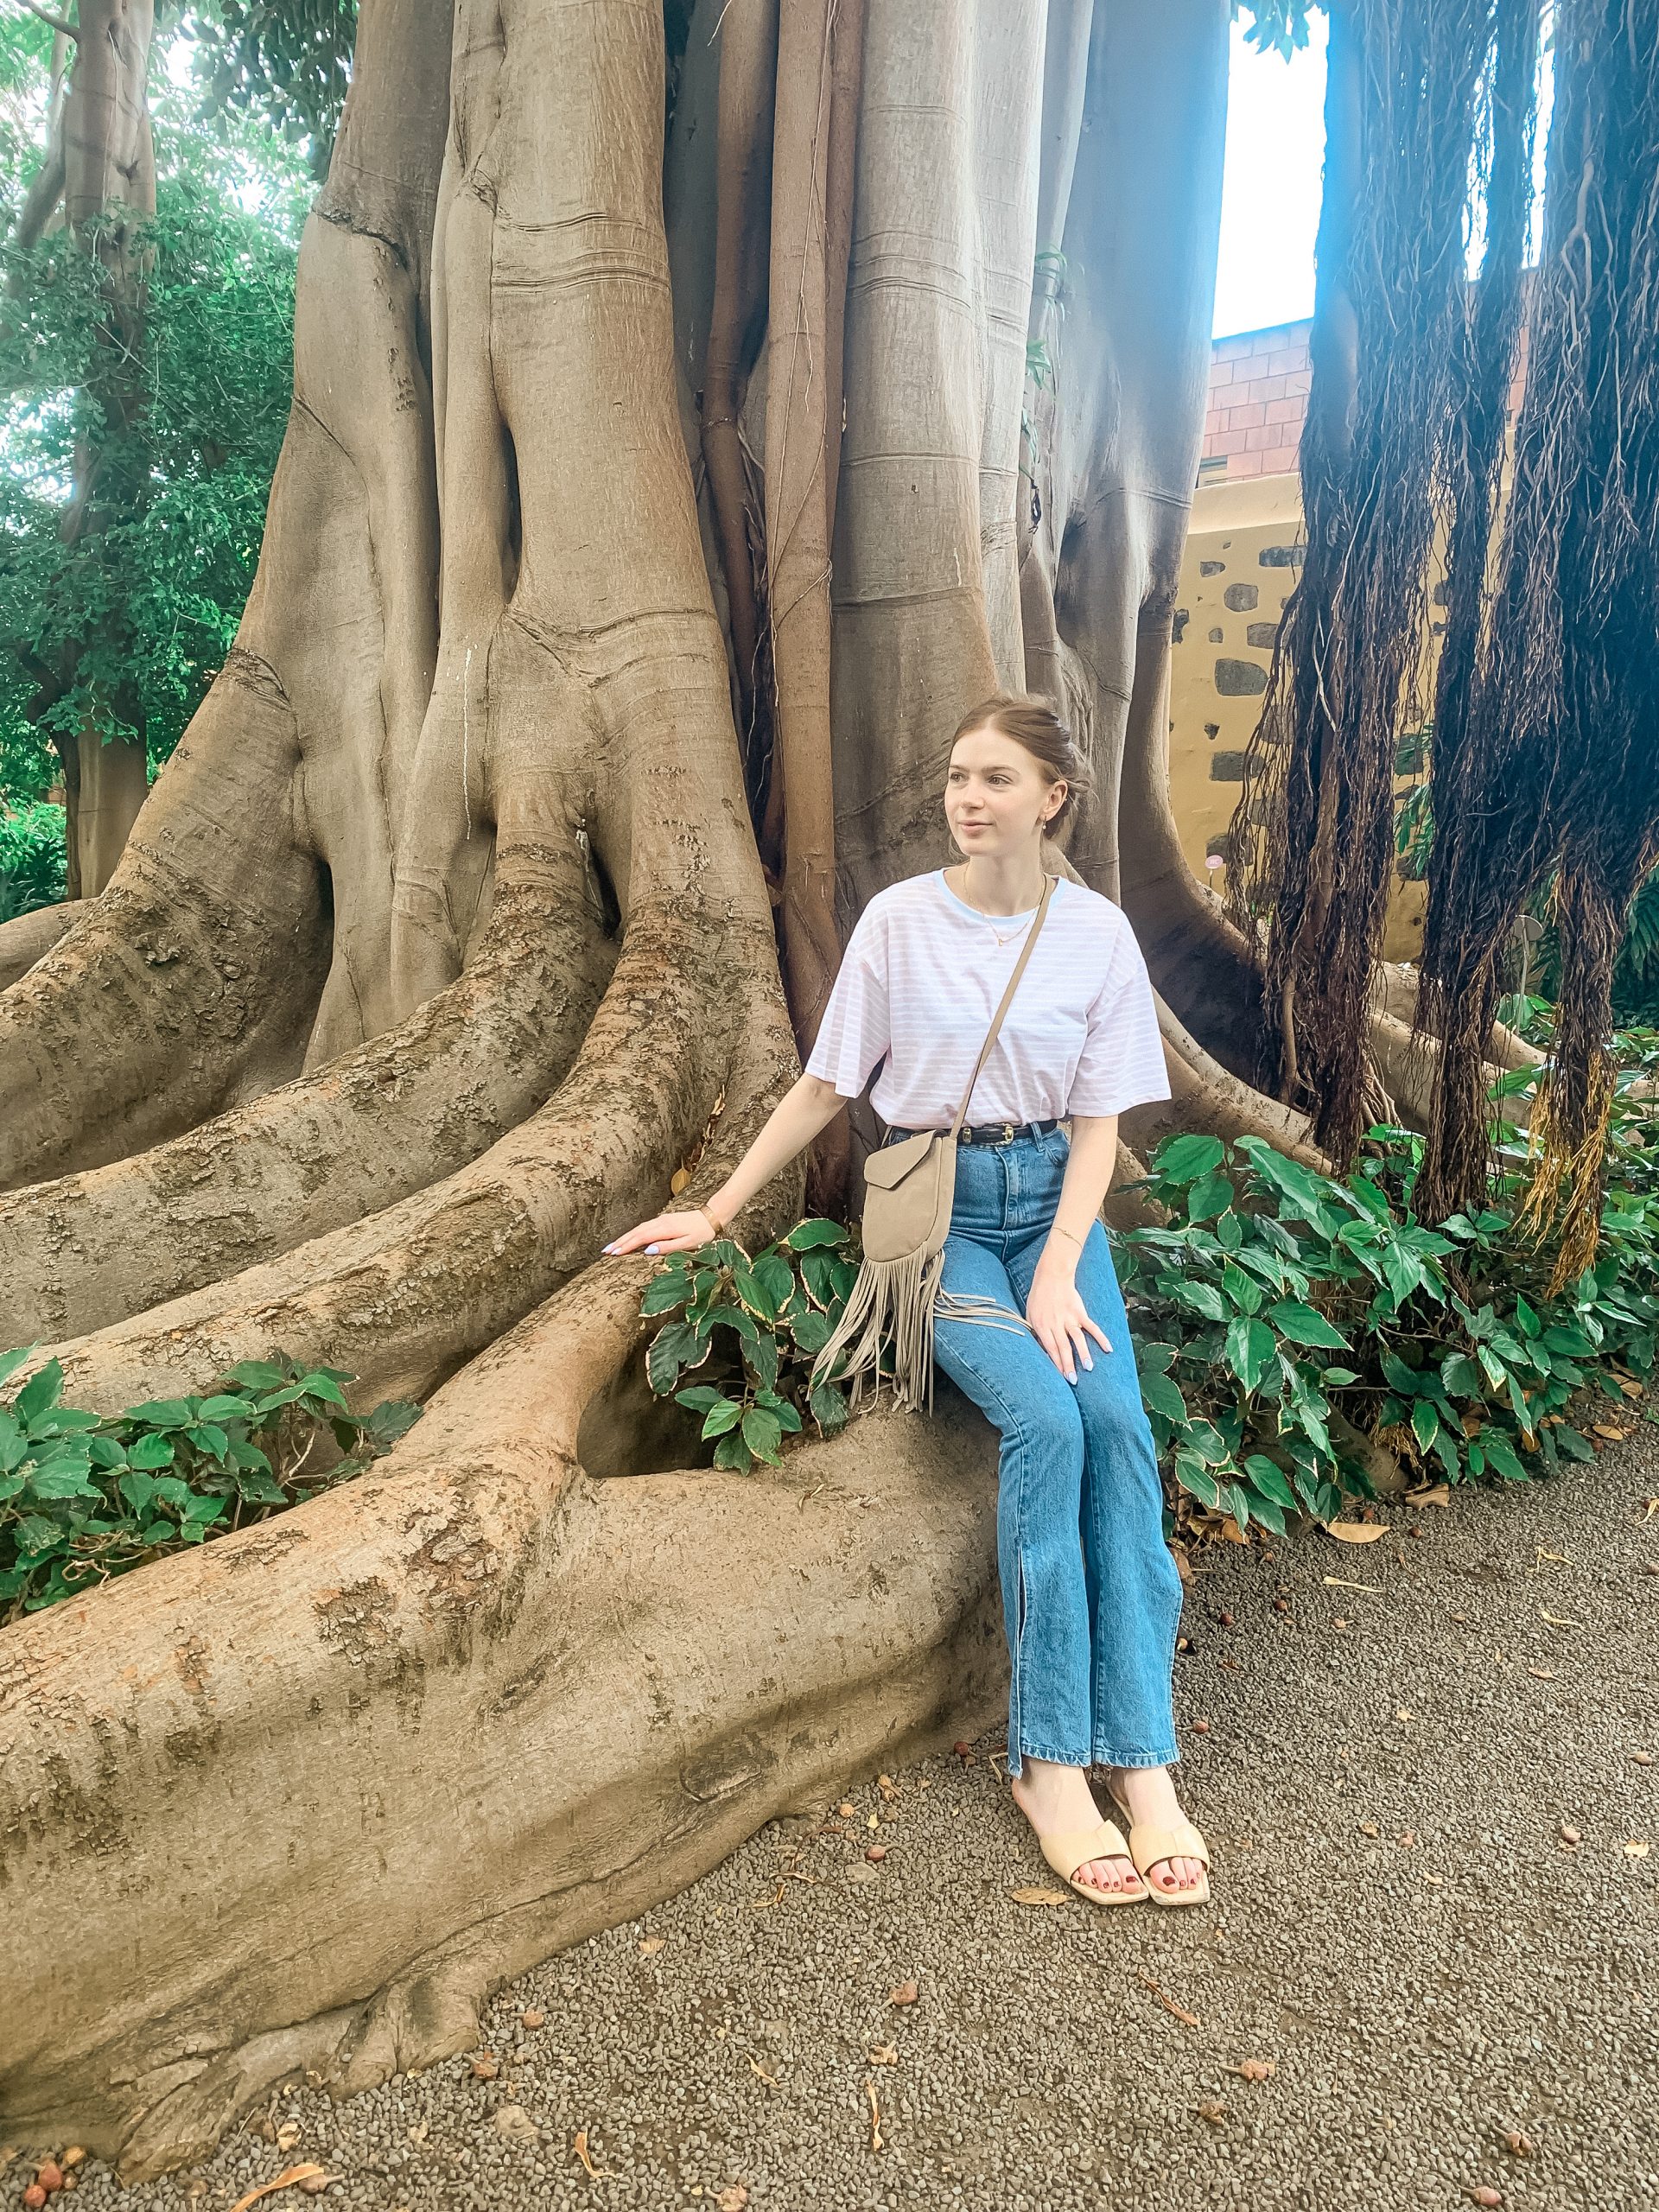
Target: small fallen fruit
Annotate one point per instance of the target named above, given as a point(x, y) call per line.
point(1643, 1758)
point(1200, 1727)
point(1515, 2141)
point(876, 1853)
point(906, 1993)
point(1226, 1620)
point(1570, 1834)
point(49, 2174)
point(73, 2157)
point(34, 2197)
point(846, 1811)
point(534, 2019)
point(1482, 2192)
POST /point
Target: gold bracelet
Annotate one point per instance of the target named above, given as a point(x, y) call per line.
point(1078, 1241)
point(714, 1226)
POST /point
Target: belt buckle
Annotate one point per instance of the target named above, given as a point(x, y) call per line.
point(1009, 1133)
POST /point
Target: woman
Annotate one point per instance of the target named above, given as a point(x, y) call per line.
point(1030, 1320)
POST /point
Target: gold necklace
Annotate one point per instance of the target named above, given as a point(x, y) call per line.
point(1002, 936)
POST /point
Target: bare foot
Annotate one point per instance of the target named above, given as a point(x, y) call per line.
point(1147, 1794)
point(1054, 1797)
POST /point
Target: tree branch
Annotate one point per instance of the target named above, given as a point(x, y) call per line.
point(52, 22)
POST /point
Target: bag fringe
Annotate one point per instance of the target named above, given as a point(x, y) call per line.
point(892, 1302)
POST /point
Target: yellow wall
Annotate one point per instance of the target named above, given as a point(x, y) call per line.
point(1239, 570)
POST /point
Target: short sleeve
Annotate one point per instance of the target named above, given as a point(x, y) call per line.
point(1122, 1060)
point(855, 1032)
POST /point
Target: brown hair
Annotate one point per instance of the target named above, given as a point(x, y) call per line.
point(1034, 725)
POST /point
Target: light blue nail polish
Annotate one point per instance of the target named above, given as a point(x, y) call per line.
point(651, 1250)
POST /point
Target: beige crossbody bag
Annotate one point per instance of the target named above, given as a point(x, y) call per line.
point(909, 1190)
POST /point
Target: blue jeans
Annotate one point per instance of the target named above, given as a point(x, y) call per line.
point(1091, 1594)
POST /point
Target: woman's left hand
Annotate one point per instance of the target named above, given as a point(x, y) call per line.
point(1059, 1320)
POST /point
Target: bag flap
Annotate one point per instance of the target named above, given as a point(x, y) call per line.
point(888, 1168)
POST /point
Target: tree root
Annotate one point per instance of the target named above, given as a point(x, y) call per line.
point(1204, 1096)
point(383, 1657)
point(31, 937)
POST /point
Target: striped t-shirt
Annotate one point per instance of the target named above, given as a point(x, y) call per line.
point(922, 977)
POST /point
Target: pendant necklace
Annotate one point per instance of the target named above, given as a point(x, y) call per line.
point(1002, 936)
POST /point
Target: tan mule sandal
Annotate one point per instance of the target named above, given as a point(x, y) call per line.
point(1069, 1848)
point(1149, 1844)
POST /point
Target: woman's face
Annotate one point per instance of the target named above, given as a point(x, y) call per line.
point(997, 796)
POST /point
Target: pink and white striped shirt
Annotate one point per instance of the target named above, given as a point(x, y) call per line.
point(922, 977)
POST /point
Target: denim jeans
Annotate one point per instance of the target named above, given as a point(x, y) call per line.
point(1091, 1594)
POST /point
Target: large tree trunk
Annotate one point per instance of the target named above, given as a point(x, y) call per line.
point(443, 938)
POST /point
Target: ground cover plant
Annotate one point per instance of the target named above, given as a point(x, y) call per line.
point(84, 1496)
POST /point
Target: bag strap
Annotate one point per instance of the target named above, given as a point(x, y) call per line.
point(1026, 951)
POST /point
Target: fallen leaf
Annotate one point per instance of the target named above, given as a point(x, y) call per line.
point(579, 2144)
point(906, 1993)
point(1356, 1532)
point(1178, 2011)
point(1436, 1879)
point(1519, 2144)
point(1440, 1495)
point(875, 2113)
point(846, 1811)
point(1040, 1896)
point(1403, 1712)
point(1370, 1828)
point(486, 2066)
point(1556, 1621)
point(678, 1181)
point(755, 2067)
point(287, 2135)
point(73, 2157)
point(1542, 1673)
point(732, 2198)
point(1560, 1559)
point(1613, 1435)
point(1214, 2113)
point(887, 1786)
point(1335, 1582)
point(649, 1945)
point(765, 1905)
point(1635, 1850)
point(514, 2125)
point(1255, 2069)
point(885, 2054)
point(310, 2178)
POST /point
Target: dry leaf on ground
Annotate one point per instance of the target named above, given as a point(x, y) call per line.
point(906, 1993)
point(1515, 2141)
point(579, 2144)
point(535, 2019)
point(755, 2067)
point(650, 1945)
point(485, 2065)
point(1255, 2069)
point(1357, 1532)
point(885, 2054)
point(1178, 2011)
point(1639, 1850)
point(1041, 1894)
point(875, 2113)
point(732, 2198)
point(311, 2178)
point(1214, 2113)
point(1440, 1495)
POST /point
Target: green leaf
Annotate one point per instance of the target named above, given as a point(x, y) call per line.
point(1242, 1289)
point(776, 1277)
point(761, 1359)
point(1206, 1440)
point(1424, 1423)
point(1338, 1378)
point(700, 1397)
point(1202, 1297)
point(1568, 1440)
point(38, 1393)
point(223, 1408)
point(136, 1489)
point(201, 1510)
point(64, 1476)
point(762, 1432)
point(1184, 1159)
point(1270, 1482)
point(1251, 1350)
point(14, 1443)
point(1264, 1509)
point(665, 1292)
point(673, 1347)
point(725, 1317)
point(150, 1452)
point(806, 1236)
point(256, 1375)
point(1191, 1474)
point(1162, 1395)
point(1502, 1455)
point(162, 1413)
point(1303, 1325)
point(208, 1437)
point(811, 1330)
point(826, 1403)
point(734, 1454)
point(11, 1361)
point(720, 1417)
point(754, 1294)
point(1210, 1198)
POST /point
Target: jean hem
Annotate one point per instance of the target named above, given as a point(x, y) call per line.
point(1111, 1757)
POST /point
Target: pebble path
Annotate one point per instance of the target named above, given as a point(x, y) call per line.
point(1430, 1970)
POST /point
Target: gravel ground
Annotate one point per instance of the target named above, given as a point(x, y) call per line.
point(1424, 1768)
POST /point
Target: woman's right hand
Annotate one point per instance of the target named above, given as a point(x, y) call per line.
point(665, 1232)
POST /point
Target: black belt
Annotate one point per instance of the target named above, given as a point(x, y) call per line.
point(985, 1132)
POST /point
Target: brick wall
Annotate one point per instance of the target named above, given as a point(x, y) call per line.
point(1258, 396)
